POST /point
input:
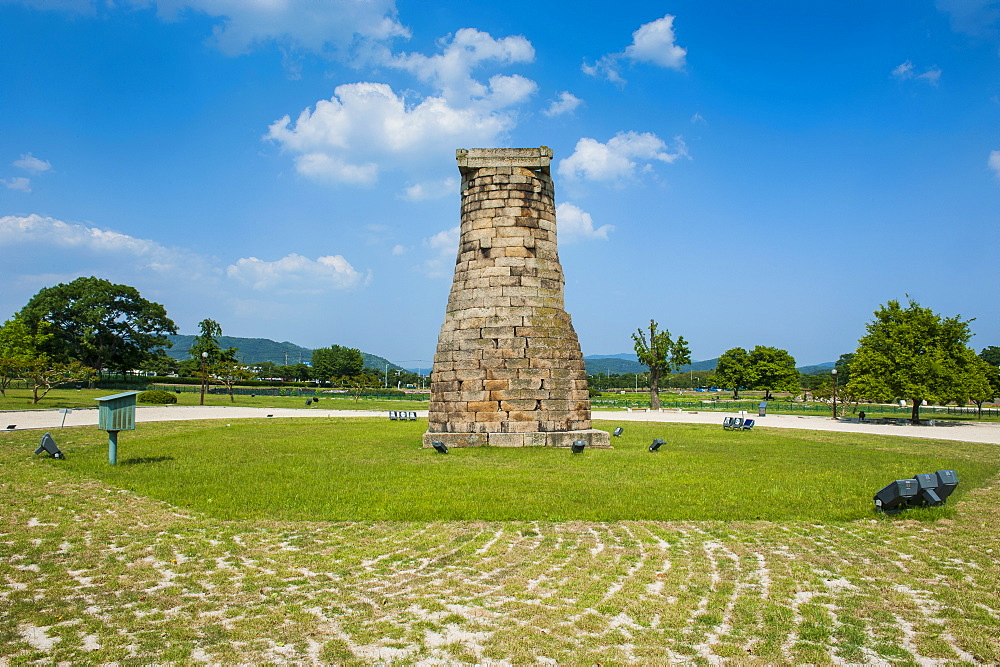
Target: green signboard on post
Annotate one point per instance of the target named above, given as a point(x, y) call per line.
point(116, 413)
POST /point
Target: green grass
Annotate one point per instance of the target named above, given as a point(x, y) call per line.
point(92, 572)
point(20, 399)
point(374, 470)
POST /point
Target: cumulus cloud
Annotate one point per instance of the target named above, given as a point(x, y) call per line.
point(621, 158)
point(653, 43)
point(241, 25)
point(88, 246)
point(345, 138)
point(566, 103)
point(575, 224)
point(295, 273)
point(431, 189)
point(905, 71)
point(450, 71)
point(444, 244)
point(994, 162)
point(31, 163)
point(17, 183)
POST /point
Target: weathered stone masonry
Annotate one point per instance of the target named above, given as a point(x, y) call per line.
point(508, 369)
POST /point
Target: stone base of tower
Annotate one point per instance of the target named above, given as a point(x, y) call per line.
point(593, 438)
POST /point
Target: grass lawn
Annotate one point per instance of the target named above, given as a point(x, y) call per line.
point(372, 469)
point(20, 399)
point(342, 541)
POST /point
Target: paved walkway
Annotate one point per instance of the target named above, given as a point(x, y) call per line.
point(988, 432)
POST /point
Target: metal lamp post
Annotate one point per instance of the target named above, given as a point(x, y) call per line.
point(204, 376)
point(834, 374)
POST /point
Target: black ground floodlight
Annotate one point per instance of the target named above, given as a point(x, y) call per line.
point(577, 446)
point(896, 495)
point(655, 445)
point(947, 481)
point(439, 446)
point(49, 445)
point(11, 427)
point(927, 484)
point(618, 432)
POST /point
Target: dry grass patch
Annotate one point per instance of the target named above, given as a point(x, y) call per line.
point(92, 573)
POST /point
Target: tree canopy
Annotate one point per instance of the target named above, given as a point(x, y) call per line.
point(772, 369)
point(336, 361)
point(98, 323)
point(733, 370)
point(660, 354)
point(916, 354)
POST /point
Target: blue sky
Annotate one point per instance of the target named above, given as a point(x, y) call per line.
point(743, 173)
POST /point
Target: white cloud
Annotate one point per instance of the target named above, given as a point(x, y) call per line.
point(295, 273)
point(994, 162)
point(450, 71)
point(367, 126)
point(431, 189)
point(567, 103)
point(653, 43)
point(905, 71)
point(92, 244)
point(17, 183)
point(241, 25)
point(445, 246)
point(346, 138)
point(576, 224)
point(398, 250)
point(697, 118)
point(620, 158)
point(31, 163)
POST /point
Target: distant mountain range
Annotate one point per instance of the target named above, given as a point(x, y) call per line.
point(257, 350)
point(628, 363)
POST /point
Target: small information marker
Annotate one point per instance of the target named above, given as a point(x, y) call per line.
point(116, 413)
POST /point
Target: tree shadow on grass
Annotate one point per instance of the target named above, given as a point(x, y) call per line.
point(146, 459)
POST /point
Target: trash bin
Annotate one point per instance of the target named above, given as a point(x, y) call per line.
point(762, 409)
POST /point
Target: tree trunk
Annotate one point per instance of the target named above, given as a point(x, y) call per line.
point(654, 391)
point(915, 412)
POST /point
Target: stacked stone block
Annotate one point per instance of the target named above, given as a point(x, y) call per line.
point(508, 369)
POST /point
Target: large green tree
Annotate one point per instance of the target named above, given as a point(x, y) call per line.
point(336, 361)
point(772, 369)
point(660, 354)
point(916, 354)
point(733, 370)
point(98, 323)
point(19, 346)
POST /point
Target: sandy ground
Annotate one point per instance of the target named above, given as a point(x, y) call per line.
point(987, 432)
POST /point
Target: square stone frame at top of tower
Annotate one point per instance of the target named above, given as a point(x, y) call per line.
point(471, 159)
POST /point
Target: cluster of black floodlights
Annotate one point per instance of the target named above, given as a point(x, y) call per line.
point(577, 447)
point(932, 488)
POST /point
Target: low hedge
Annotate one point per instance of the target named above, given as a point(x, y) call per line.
point(157, 396)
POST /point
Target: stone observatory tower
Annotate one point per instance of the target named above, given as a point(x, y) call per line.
point(508, 370)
